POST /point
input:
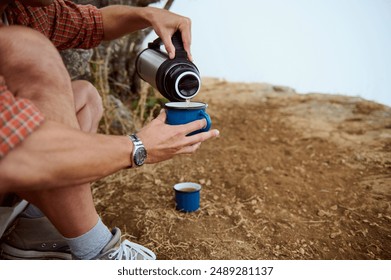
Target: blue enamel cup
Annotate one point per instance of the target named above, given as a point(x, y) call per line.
point(185, 112)
point(187, 196)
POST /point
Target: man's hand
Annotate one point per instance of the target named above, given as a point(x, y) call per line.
point(119, 20)
point(165, 24)
point(163, 141)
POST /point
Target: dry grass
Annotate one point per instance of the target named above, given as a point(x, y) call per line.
point(142, 107)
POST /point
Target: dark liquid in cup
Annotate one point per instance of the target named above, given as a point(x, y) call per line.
point(188, 190)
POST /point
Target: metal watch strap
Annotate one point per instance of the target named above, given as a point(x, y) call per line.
point(137, 145)
point(134, 138)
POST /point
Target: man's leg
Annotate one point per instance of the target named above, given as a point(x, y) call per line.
point(88, 105)
point(89, 110)
point(35, 71)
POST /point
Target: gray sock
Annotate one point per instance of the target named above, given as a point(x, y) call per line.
point(91, 243)
point(32, 212)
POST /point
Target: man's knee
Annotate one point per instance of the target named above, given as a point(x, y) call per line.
point(28, 58)
point(93, 97)
point(21, 46)
point(86, 95)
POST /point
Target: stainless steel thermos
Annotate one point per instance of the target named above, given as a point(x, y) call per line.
point(176, 79)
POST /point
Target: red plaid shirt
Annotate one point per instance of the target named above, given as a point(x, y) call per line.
point(18, 119)
point(67, 25)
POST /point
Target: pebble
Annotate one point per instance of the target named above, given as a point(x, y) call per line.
point(227, 210)
point(335, 234)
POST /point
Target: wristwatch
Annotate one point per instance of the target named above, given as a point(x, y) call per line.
point(139, 152)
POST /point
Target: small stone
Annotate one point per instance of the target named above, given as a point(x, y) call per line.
point(335, 234)
point(322, 213)
point(268, 169)
point(158, 182)
point(227, 211)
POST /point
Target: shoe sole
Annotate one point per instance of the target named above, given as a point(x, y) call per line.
point(11, 253)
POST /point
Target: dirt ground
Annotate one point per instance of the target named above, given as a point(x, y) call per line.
point(291, 177)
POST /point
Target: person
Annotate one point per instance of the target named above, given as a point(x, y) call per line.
point(50, 151)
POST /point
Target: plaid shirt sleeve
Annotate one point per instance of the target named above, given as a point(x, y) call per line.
point(18, 119)
point(65, 23)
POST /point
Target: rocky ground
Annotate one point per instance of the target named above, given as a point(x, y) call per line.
point(291, 177)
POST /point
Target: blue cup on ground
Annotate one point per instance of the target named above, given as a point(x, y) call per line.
point(187, 196)
point(185, 112)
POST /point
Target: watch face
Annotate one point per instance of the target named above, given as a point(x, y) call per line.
point(140, 156)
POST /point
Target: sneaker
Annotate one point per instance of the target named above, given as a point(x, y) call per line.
point(33, 239)
point(115, 250)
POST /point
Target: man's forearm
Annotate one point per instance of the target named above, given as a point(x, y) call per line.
point(120, 20)
point(59, 156)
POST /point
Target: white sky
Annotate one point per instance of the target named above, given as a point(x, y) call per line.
point(327, 46)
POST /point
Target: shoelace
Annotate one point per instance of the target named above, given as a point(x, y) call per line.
point(129, 251)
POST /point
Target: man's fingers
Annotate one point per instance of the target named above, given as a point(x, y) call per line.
point(162, 116)
point(200, 137)
point(169, 46)
point(194, 126)
point(186, 37)
point(189, 149)
point(194, 142)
